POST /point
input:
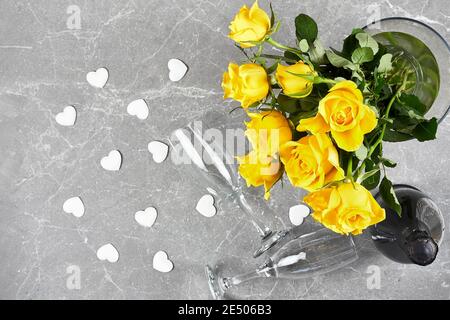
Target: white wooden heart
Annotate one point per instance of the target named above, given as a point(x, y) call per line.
point(298, 213)
point(177, 69)
point(161, 262)
point(159, 151)
point(67, 117)
point(108, 252)
point(205, 206)
point(98, 78)
point(138, 108)
point(74, 206)
point(112, 162)
point(147, 217)
point(290, 260)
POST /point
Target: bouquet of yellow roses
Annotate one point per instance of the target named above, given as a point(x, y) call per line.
point(321, 116)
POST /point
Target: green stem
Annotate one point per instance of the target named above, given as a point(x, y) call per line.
point(383, 129)
point(283, 47)
point(318, 80)
point(275, 57)
point(350, 168)
point(260, 49)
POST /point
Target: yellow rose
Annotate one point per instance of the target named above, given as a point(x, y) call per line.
point(249, 25)
point(293, 85)
point(247, 83)
point(268, 131)
point(343, 112)
point(345, 208)
point(311, 162)
point(260, 170)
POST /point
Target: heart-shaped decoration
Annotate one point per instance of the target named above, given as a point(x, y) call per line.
point(98, 78)
point(205, 206)
point(177, 69)
point(112, 162)
point(290, 260)
point(67, 117)
point(74, 206)
point(161, 262)
point(146, 218)
point(108, 252)
point(298, 213)
point(138, 108)
point(159, 151)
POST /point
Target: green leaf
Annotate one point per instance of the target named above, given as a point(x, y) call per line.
point(305, 76)
point(302, 115)
point(272, 15)
point(287, 104)
point(388, 163)
point(409, 113)
point(303, 45)
point(361, 153)
point(405, 124)
point(368, 175)
point(366, 41)
point(254, 105)
point(355, 31)
point(260, 60)
point(388, 195)
point(306, 28)
point(411, 101)
point(291, 56)
point(395, 136)
point(377, 153)
point(273, 67)
point(350, 43)
point(308, 104)
point(361, 55)
point(336, 60)
point(317, 53)
point(372, 181)
point(356, 75)
point(425, 130)
point(385, 64)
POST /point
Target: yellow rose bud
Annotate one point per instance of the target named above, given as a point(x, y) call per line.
point(247, 83)
point(267, 131)
point(249, 25)
point(311, 162)
point(260, 170)
point(293, 85)
point(343, 112)
point(345, 208)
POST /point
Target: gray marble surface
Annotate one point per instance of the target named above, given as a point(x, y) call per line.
point(43, 65)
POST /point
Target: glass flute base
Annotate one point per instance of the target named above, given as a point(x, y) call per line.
point(216, 284)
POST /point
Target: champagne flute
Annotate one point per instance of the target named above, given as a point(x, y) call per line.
point(315, 253)
point(214, 164)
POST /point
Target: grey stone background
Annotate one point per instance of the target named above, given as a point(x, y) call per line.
point(42, 69)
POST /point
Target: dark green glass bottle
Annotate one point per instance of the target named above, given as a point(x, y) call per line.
point(413, 237)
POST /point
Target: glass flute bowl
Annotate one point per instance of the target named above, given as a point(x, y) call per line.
point(202, 150)
point(420, 48)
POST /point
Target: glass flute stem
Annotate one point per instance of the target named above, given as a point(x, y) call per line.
point(229, 282)
point(262, 229)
